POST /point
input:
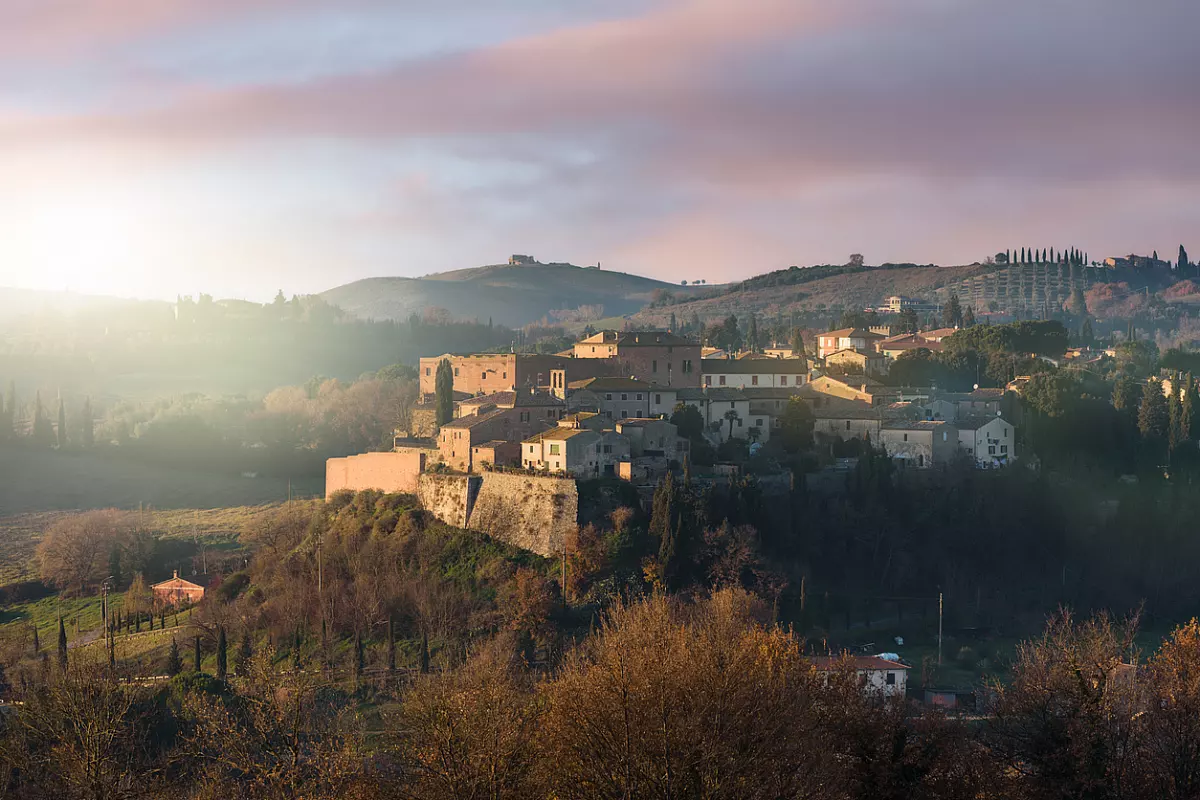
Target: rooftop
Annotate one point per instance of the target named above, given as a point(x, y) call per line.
point(512, 399)
point(749, 366)
point(854, 333)
point(471, 420)
point(559, 435)
point(603, 384)
point(975, 423)
point(916, 425)
point(855, 662)
point(637, 339)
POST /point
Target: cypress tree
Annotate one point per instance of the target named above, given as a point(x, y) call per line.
point(359, 660)
point(62, 644)
point(671, 325)
point(297, 661)
point(1182, 265)
point(444, 392)
point(196, 654)
point(112, 651)
point(87, 436)
point(174, 662)
point(222, 654)
point(1022, 255)
point(62, 424)
point(1187, 419)
point(1174, 421)
point(752, 334)
point(424, 651)
point(1154, 415)
point(37, 645)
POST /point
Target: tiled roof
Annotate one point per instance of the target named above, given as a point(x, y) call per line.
point(855, 662)
point(559, 435)
point(471, 420)
point(975, 423)
point(754, 366)
point(492, 443)
point(603, 384)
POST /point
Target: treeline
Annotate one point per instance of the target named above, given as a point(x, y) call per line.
point(289, 432)
point(218, 348)
point(665, 699)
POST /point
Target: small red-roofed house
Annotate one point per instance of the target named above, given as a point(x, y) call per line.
point(178, 591)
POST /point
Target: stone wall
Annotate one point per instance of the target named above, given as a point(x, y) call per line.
point(447, 497)
point(388, 472)
point(527, 511)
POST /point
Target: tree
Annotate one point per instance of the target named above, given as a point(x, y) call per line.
point(174, 662)
point(71, 553)
point(43, 429)
point(952, 315)
point(908, 321)
point(9, 420)
point(671, 325)
point(1077, 305)
point(796, 426)
point(752, 335)
point(796, 341)
point(444, 391)
point(1153, 416)
point(222, 654)
point(732, 416)
point(1182, 264)
point(968, 317)
point(62, 425)
point(856, 260)
point(1086, 334)
point(196, 654)
point(1172, 724)
point(62, 644)
point(1189, 425)
point(667, 526)
point(87, 436)
point(245, 653)
point(688, 421)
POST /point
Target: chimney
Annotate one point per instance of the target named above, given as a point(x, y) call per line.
point(175, 576)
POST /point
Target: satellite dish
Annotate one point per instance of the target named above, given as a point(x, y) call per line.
point(976, 387)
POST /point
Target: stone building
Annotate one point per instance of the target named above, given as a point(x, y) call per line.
point(652, 356)
point(920, 443)
point(177, 592)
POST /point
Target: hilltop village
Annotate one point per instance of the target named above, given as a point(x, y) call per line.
point(634, 405)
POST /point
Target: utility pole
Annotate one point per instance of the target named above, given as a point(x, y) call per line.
point(939, 629)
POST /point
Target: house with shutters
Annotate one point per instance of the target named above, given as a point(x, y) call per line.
point(991, 441)
point(744, 373)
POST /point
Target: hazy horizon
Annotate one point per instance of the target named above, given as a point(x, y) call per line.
point(241, 148)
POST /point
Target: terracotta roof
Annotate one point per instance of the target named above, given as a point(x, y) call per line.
point(852, 333)
point(492, 443)
point(855, 662)
point(854, 351)
point(176, 583)
point(604, 384)
point(934, 347)
point(637, 422)
point(754, 366)
point(471, 420)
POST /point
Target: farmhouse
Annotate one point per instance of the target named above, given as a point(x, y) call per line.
point(177, 591)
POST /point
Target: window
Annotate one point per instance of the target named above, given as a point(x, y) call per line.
point(608, 448)
point(456, 372)
point(624, 396)
point(992, 450)
point(754, 380)
point(687, 366)
point(739, 422)
point(920, 461)
point(783, 380)
point(504, 375)
point(799, 380)
point(524, 416)
point(1006, 433)
point(943, 436)
point(758, 423)
point(654, 366)
point(554, 449)
point(708, 380)
point(550, 413)
point(427, 371)
point(624, 414)
point(531, 448)
point(847, 424)
point(1003, 449)
point(891, 679)
point(906, 437)
point(731, 404)
point(608, 396)
point(639, 396)
point(722, 380)
point(658, 399)
point(593, 348)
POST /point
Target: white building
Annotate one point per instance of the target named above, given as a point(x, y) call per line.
point(876, 674)
point(991, 441)
point(742, 373)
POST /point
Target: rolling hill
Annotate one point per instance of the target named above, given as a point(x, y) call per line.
point(507, 294)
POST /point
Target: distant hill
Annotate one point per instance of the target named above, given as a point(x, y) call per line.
point(507, 294)
point(814, 289)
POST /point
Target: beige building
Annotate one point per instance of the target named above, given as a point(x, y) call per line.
point(861, 388)
point(920, 443)
point(580, 452)
point(653, 438)
point(860, 362)
point(846, 339)
point(651, 356)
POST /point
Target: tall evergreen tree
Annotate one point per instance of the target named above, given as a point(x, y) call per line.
point(1022, 255)
point(797, 344)
point(62, 424)
point(62, 644)
point(174, 662)
point(1182, 264)
point(752, 334)
point(952, 315)
point(37, 645)
point(196, 654)
point(9, 421)
point(671, 325)
point(1174, 421)
point(969, 317)
point(87, 436)
point(444, 392)
point(222, 654)
point(360, 661)
point(1154, 415)
point(1188, 427)
point(43, 428)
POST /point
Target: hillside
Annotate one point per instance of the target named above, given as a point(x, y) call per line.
point(815, 289)
point(507, 294)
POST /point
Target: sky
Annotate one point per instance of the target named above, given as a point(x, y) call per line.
point(241, 147)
